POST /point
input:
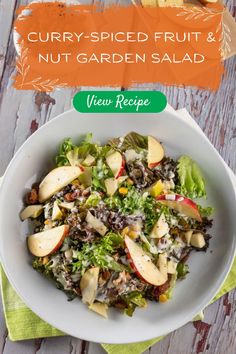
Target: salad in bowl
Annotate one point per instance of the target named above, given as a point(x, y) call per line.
point(115, 224)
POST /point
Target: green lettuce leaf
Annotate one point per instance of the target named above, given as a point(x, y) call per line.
point(87, 147)
point(93, 200)
point(65, 147)
point(173, 280)
point(205, 211)
point(115, 239)
point(70, 153)
point(182, 270)
point(97, 254)
point(131, 141)
point(99, 173)
point(192, 183)
point(133, 300)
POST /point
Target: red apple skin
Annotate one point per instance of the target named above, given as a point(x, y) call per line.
point(183, 200)
point(66, 233)
point(81, 167)
point(152, 165)
point(121, 169)
point(58, 245)
point(121, 166)
point(132, 264)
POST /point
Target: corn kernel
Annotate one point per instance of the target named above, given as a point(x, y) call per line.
point(47, 222)
point(163, 298)
point(133, 234)
point(123, 190)
point(130, 181)
point(45, 260)
point(125, 231)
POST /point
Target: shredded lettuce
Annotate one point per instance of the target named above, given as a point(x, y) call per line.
point(169, 292)
point(129, 204)
point(135, 203)
point(87, 147)
point(99, 174)
point(115, 239)
point(98, 254)
point(93, 200)
point(205, 211)
point(133, 300)
point(65, 147)
point(192, 183)
point(182, 270)
point(68, 150)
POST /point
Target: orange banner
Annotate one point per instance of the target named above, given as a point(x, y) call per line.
point(75, 45)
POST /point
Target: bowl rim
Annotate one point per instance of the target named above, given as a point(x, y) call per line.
point(178, 323)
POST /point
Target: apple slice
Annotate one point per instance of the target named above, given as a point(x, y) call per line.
point(89, 285)
point(162, 265)
point(171, 267)
point(47, 242)
point(160, 228)
point(89, 160)
point(142, 264)
point(116, 163)
point(121, 179)
point(86, 176)
point(100, 308)
point(96, 224)
point(182, 204)
point(155, 152)
point(56, 180)
point(56, 212)
point(197, 240)
point(72, 157)
point(31, 211)
point(111, 185)
point(67, 206)
point(188, 236)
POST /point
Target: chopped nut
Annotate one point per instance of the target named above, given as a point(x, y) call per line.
point(70, 197)
point(106, 275)
point(36, 186)
point(32, 197)
point(120, 305)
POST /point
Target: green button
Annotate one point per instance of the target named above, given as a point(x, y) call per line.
point(120, 101)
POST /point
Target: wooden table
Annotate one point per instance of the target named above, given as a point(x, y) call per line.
point(22, 112)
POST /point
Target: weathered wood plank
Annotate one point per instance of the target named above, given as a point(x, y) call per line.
point(62, 345)
point(3, 329)
point(6, 17)
point(24, 347)
point(208, 337)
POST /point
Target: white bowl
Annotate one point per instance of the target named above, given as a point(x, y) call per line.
point(207, 270)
